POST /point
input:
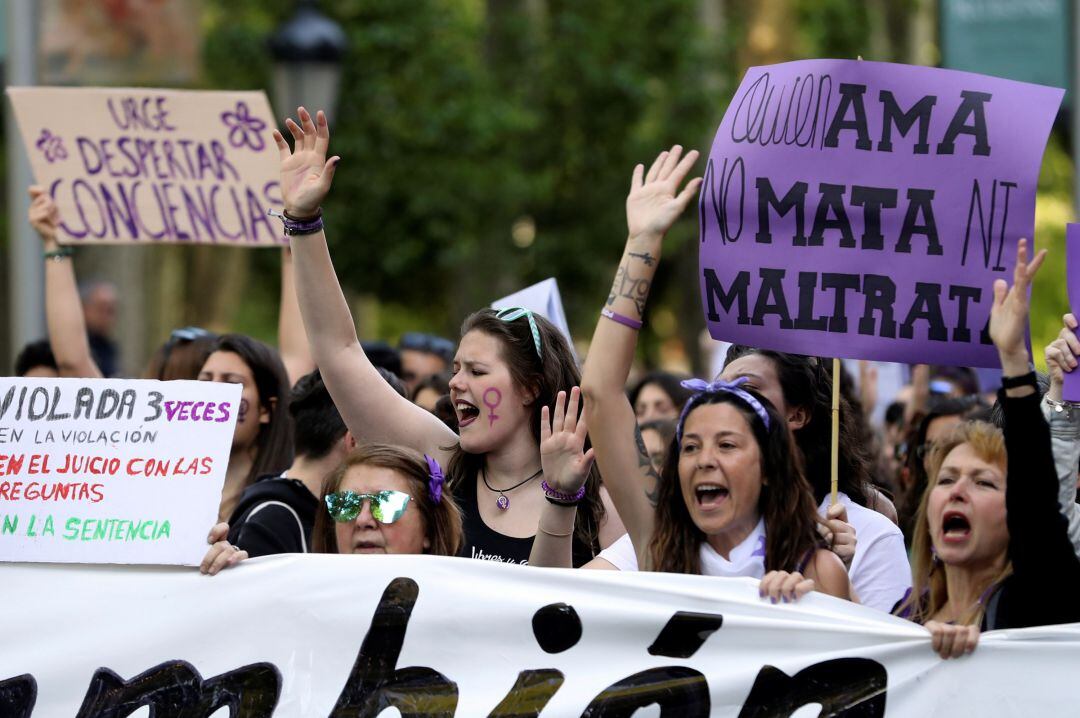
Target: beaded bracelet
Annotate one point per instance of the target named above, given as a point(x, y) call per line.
point(295, 227)
point(621, 319)
point(561, 498)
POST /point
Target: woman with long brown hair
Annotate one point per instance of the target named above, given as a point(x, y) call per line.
point(508, 365)
point(731, 499)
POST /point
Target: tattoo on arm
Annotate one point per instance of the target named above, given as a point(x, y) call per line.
point(634, 289)
point(652, 488)
point(644, 257)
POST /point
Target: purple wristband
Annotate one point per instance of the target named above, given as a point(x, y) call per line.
point(561, 497)
point(295, 227)
point(621, 319)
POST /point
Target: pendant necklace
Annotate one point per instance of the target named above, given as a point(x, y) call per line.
point(503, 502)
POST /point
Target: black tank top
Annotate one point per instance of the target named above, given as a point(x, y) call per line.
point(484, 543)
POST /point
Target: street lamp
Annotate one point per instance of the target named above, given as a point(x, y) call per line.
point(307, 51)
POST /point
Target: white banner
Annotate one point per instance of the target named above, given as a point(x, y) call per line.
point(350, 636)
point(112, 470)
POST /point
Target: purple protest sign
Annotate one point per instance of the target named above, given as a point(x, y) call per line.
point(864, 209)
point(1071, 388)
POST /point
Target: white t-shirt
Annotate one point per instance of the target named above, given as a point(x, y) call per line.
point(746, 559)
point(879, 573)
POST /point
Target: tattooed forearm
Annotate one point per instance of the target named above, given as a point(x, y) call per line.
point(636, 289)
point(645, 257)
point(652, 480)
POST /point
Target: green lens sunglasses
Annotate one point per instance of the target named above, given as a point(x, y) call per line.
point(386, 506)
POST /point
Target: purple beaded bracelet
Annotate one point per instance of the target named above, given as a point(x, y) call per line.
point(561, 497)
point(295, 227)
point(621, 319)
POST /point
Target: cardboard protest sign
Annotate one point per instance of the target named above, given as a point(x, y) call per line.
point(137, 165)
point(1071, 388)
point(438, 637)
point(863, 209)
point(110, 470)
point(542, 298)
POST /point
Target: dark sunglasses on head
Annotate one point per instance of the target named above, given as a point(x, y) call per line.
point(182, 335)
point(386, 506)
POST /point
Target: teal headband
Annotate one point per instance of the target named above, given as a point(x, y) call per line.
point(513, 313)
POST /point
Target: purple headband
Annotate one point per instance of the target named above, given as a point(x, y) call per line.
point(436, 480)
point(704, 388)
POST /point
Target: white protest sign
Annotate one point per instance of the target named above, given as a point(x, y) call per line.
point(316, 635)
point(542, 298)
point(140, 165)
point(112, 470)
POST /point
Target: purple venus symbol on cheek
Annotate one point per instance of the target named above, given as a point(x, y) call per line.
point(492, 399)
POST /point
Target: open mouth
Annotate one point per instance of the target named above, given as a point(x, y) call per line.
point(955, 527)
point(367, 547)
point(466, 413)
point(711, 495)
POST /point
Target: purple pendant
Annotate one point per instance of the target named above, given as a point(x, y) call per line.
point(502, 502)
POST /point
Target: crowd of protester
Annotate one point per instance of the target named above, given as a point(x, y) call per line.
point(955, 512)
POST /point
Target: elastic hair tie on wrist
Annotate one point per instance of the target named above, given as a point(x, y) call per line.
point(62, 253)
point(621, 319)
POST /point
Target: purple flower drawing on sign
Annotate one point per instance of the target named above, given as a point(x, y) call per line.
point(52, 146)
point(244, 129)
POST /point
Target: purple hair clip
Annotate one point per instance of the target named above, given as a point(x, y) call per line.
point(704, 388)
point(436, 480)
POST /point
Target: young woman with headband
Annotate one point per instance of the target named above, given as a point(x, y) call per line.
point(731, 499)
point(508, 365)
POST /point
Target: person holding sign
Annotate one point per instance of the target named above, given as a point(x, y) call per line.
point(508, 365)
point(989, 533)
point(731, 499)
point(800, 388)
point(382, 500)
point(1064, 420)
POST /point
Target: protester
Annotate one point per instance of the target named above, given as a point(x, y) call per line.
point(100, 303)
point(427, 392)
point(1064, 420)
point(36, 361)
point(277, 512)
point(508, 365)
point(658, 395)
point(263, 438)
point(731, 499)
point(422, 356)
point(68, 329)
point(989, 534)
point(182, 356)
point(942, 414)
point(801, 390)
point(382, 499)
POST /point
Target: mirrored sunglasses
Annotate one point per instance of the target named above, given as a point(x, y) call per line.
point(386, 506)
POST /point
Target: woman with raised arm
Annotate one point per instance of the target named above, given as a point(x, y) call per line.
point(730, 500)
point(508, 365)
point(989, 535)
point(182, 355)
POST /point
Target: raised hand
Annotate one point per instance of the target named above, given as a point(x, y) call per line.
point(43, 215)
point(306, 174)
point(655, 202)
point(1061, 355)
point(562, 441)
point(1009, 315)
